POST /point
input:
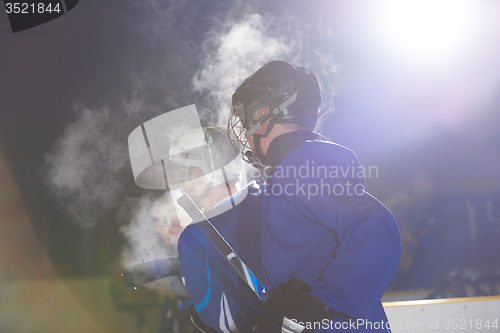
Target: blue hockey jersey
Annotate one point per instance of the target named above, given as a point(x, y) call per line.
point(322, 227)
point(221, 297)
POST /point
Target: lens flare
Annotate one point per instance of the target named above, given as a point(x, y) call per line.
point(425, 27)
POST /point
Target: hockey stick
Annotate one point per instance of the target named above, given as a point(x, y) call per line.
point(227, 251)
point(220, 243)
point(149, 271)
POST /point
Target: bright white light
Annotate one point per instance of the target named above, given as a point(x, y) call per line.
point(424, 27)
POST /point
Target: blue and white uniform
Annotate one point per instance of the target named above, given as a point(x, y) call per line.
point(322, 227)
point(222, 298)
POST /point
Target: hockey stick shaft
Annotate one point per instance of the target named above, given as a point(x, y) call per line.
point(288, 326)
point(220, 243)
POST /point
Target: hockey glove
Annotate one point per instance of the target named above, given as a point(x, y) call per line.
point(291, 300)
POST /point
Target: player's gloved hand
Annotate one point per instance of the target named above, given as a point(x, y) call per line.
point(292, 300)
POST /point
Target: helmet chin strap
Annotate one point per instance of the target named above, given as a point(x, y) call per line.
point(258, 154)
point(271, 115)
point(271, 119)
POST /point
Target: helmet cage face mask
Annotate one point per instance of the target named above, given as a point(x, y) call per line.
point(238, 134)
point(277, 93)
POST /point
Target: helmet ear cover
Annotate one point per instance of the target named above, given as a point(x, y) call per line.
point(268, 91)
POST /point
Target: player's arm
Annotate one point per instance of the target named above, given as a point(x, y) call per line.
point(369, 247)
point(364, 265)
point(369, 242)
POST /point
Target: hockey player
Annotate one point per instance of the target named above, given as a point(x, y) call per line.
point(329, 249)
point(220, 297)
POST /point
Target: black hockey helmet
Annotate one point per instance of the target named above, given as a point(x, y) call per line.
point(292, 94)
point(275, 83)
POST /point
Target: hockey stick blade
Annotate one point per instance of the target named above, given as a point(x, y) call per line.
point(149, 271)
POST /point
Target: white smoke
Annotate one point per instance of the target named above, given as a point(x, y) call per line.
point(153, 230)
point(237, 48)
point(88, 167)
point(81, 169)
point(231, 55)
